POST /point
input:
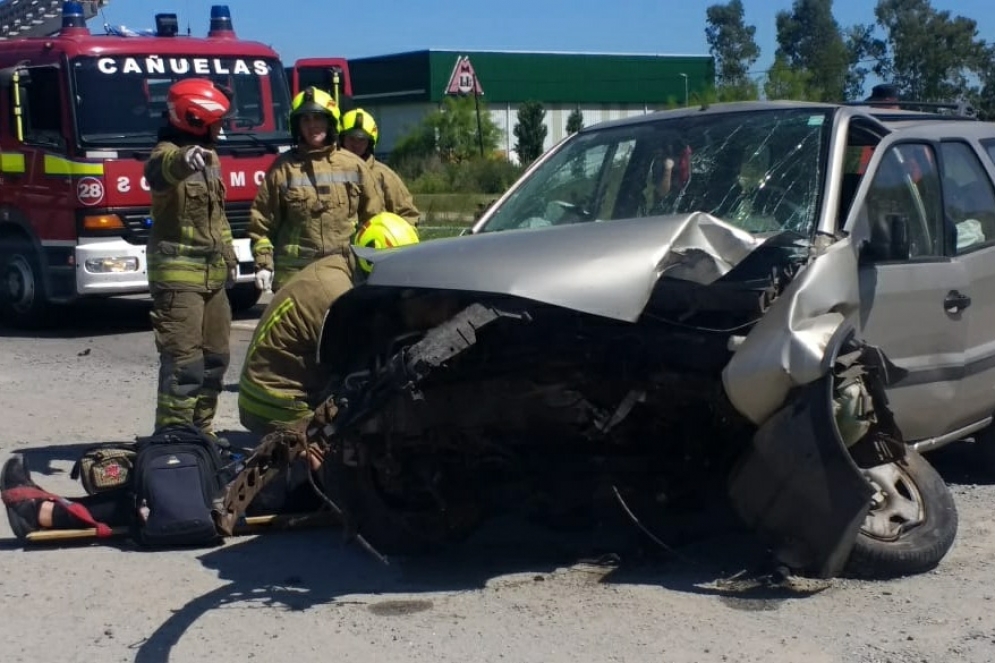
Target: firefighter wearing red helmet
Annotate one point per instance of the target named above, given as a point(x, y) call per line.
point(191, 258)
point(359, 135)
point(312, 198)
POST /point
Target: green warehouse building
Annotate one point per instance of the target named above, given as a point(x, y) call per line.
point(401, 88)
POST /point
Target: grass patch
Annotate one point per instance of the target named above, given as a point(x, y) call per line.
point(427, 232)
point(446, 209)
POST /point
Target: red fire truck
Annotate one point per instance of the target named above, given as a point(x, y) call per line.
point(79, 115)
point(328, 74)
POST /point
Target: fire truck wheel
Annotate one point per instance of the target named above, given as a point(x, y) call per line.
point(243, 296)
point(22, 294)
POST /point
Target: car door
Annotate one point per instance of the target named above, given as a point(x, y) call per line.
point(967, 171)
point(912, 290)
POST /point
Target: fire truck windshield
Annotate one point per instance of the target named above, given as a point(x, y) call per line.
point(121, 100)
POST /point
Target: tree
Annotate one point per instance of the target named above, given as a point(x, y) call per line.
point(450, 133)
point(931, 56)
point(985, 101)
point(810, 39)
point(575, 121)
point(530, 132)
point(732, 43)
point(785, 82)
point(863, 48)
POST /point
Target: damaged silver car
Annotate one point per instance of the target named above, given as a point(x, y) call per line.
point(797, 298)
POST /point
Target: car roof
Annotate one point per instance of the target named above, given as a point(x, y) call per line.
point(927, 124)
point(711, 109)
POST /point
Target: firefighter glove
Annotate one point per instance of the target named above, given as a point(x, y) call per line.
point(196, 158)
point(232, 277)
point(264, 279)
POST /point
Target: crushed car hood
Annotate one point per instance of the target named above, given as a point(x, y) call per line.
point(606, 269)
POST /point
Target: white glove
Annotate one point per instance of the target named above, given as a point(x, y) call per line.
point(232, 277)
point(264, 279)
point(196, 158)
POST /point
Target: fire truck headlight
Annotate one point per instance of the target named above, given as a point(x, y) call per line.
point(111, 265)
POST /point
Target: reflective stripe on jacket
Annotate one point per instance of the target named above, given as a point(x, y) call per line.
point(190, 243)
point(280, 373)
point(308, 207)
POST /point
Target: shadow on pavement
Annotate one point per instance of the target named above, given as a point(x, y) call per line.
point(331, 572)
point(41, 461)
point(962, 463)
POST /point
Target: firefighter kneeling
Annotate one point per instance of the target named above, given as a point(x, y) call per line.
point(281, 379)
point(280, 374)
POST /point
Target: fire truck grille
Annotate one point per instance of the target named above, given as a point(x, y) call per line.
point(139, 225)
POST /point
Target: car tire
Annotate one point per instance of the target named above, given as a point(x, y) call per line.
point(911, 525)
point(243, 296)
point(390, 526)
point(23, 302)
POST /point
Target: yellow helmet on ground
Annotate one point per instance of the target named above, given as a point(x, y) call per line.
point(360, 123)
point(313, 100)
point(384, 231)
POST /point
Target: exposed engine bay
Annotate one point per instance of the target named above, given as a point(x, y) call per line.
point(449, 406)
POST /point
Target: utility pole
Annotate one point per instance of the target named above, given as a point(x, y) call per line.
point(476, 105)
point(686, 99)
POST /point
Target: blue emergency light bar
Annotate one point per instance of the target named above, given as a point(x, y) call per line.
point(220, 18)
point(72, 15)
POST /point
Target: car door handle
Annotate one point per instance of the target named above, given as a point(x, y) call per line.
point(955, 302)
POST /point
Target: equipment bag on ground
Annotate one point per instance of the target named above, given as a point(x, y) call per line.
point(179, 478)
point(104, 467)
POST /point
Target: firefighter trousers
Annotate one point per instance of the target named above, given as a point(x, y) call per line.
point(192, 331)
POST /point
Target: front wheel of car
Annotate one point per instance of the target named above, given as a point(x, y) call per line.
point(911, 524)
point(398, 514)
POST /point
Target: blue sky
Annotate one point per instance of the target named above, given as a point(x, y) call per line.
point(313, 28)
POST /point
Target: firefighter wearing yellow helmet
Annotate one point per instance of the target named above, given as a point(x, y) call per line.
point(385, 231)
point(312, 198)
point(280, 380)
point(359, 135)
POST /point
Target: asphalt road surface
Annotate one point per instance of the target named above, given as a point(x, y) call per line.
point(516, 592)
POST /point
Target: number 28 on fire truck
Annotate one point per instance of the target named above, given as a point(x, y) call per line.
point(79, 115)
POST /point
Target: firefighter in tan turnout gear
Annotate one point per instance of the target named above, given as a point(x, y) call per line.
point(312, 198)
point(191, 258)
point(359, 135)
point(280, 376)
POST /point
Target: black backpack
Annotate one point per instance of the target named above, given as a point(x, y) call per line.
point(179, 479)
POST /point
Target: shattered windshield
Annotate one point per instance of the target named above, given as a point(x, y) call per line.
point(120, 100)
point(760, 171)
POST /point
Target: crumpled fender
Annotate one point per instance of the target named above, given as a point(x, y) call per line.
point(798, 487)
point(788, 347)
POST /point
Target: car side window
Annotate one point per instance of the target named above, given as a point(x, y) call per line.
point(968, 197)
point(903, 205)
